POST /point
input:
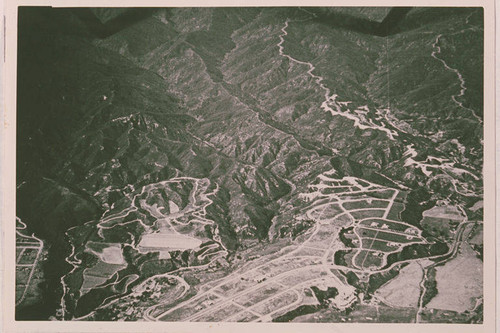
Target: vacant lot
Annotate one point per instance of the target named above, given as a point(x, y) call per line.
point(235, 286)
point(303, 276)
point(363, 214)
point(110, 253)
point(323, 237)
point(459, 282)
point(378, 245)
point(362, 314)
point(190, 308)
point(28, 257)
point(258, 295)
point(330, 211)
point(243, 317)
point(90, 282)
point(444, 212)
point(387, 236)
point(220, 314)
point(287, 264)
point(169, 241)
point(438, 220)
point(276, 303)
point(403, 290)
point(342, 220)
point(369, 203)
point(326, 211)
point(103, 269)
point(367, 259)
point(99, 273)
point(22, 274)
point(395, 212)
point(476, 237)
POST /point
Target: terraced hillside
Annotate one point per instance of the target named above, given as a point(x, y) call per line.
point(250, 164)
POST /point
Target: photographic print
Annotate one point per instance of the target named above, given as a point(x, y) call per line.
point(250, 164)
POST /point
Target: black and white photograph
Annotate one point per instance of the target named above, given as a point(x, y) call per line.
point(297, 164)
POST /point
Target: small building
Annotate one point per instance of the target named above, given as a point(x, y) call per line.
point(374, 224)
point(260, 278)
point(385, 226)
point(411, 231)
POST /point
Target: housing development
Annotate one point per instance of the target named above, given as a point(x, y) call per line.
point(280, 164)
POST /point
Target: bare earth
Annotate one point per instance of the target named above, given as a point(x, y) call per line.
point(171, 241)
point(404, 290)
point(459, 282)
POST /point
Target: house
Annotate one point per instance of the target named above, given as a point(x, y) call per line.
point(411, 231)
point(260, 278)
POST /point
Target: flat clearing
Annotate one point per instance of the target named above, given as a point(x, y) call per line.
point(244, 316)
point(275, 268)
point(368, 203)
point(234, 286)
point(22, 274)
point(323, 237)
point(368, 194)
point(343, 220)
point(307, 251)
point(375, 244)
point(476, 238)
point(189, 308)
point(173, 208)
point(258, 295)
point(326, 211)
point(387, 236)
point(295, 278)
point(404, 289)
point(361, 314)
point(395, 212)
point(28, 257)
point(168, 241)
point(444, 212)
point(110, 253)
point(113, 255)
point(363, 214)
point(103, 269)
point(219, 315)
point(90, 282)
point(330, 211)
point(276, 303)
point(459, 282)
point(368, 259)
